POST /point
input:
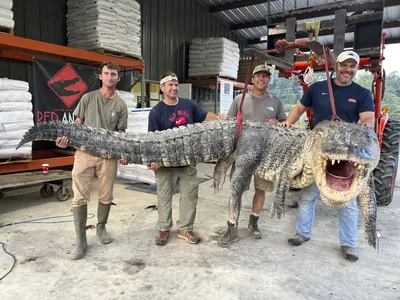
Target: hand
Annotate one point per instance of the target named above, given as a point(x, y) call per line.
point(285, 124)
point(123, 161)
point(62, 142)
point(153, 166)
point(222, 116)
point(272, 121)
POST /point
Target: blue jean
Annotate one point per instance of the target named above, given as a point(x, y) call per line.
point(348, 217)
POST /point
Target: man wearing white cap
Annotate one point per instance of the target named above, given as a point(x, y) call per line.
point(353, 104)
point(169, 113)
point(262, 107)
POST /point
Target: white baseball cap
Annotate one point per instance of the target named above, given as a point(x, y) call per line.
point(348, 55)
point(262, 68)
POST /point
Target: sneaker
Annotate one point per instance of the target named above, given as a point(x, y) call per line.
point(298, 240)
point(253, 227)
point(162, 238)
point(188, 236)
point(229, 237)
point(349, 253)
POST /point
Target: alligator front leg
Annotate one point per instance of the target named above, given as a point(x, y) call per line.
point(279, 206)
point(367, 200)
point(220, 171)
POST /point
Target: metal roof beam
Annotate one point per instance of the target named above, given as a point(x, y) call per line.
point(314, 12)
point(237, 4)
point(325, 30)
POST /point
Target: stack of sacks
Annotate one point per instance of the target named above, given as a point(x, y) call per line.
point(6, 14)
point(16, 117)
point(112, 25)
point(214, 56)
point(137, 123)
point(129, 98)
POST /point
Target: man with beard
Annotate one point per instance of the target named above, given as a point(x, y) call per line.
point(102, 108)
point(261, 107)
point(353, 104)
point(169, 113)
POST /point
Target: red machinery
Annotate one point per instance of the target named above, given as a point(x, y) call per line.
point(322, 59)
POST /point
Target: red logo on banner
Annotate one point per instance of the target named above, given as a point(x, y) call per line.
point(67, 85)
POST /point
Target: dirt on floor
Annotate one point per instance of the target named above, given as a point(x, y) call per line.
point(133, 267)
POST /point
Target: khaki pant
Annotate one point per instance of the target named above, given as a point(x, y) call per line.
point(262, 184)
point(86, 166)
point(167, 181)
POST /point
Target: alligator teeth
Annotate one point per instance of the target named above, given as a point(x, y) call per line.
point(355, 164)
point(333, 162)
point(338, 161)
point(359, 167)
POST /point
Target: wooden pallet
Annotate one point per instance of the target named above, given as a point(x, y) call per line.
point(114, 53)
point(7, 30)
point(15, 159)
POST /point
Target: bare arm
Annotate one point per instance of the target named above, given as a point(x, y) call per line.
point(294, 115)
point(367, 118)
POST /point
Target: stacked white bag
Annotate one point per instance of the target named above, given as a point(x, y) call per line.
point(16, 117)
point(214, 56)
point(109, 24)
point(6, 14)
point(137, 123)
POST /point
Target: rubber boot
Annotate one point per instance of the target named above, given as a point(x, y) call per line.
point(80, 218)
point(103, 210)
point(229, 237)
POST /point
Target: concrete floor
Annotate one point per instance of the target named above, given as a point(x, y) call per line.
point(133, 267)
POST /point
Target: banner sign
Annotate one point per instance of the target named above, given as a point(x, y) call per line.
point(58, 87)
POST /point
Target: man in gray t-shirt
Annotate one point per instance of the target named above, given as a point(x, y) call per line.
point(262, 107)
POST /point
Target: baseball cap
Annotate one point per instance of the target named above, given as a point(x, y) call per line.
point(348, 55)
point(262, 68)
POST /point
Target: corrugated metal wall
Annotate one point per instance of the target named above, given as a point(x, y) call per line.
point(168, 28)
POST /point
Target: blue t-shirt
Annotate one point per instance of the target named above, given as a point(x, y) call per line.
point(163, 116)
point(349, 101)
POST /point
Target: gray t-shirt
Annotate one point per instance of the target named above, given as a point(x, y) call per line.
point(97, 111)
point(258, 109)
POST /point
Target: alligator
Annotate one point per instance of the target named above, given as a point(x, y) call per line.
point(60, 87)
point(338, 156)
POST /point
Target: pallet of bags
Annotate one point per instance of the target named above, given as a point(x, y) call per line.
point(16, 118)
point(108, 26)
point(137, 123)
point(214, 56)
point(6, 16)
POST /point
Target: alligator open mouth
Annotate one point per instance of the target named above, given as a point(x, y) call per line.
point(340, 179)
point(340, 174)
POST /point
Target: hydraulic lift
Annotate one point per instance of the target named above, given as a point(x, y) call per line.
point(369, 44)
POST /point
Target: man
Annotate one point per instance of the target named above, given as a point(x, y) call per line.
point(353, 104)
point(98, 109)
point(262, 107)
point(169, 113)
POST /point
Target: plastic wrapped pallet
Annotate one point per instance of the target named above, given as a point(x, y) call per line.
point(112, 25)
point(137, 122)
point(16, 117)
point(6, 14)
point(214, 56)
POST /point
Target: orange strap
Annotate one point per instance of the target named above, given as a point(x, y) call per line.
point(239, 116)
point(328, 79)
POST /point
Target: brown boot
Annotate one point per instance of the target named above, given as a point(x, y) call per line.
point(349, 253)
point(162, 238)
point(297, 240)
point(253, 227)
point(229, 237)
point(188, 236)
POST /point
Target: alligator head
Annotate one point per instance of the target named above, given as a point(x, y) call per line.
point(342, 156)
point(61, 87)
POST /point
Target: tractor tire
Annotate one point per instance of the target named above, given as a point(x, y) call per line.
point(391, 138)
point(385, 178)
